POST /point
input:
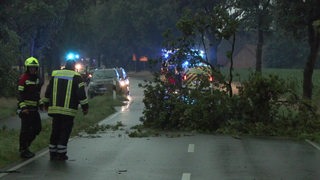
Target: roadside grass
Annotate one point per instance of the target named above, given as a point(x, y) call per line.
point(100, 107)
point(7, 107)
point(294, 75)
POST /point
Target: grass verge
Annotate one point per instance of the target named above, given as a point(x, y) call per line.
point(100, 107)
point(8, 107)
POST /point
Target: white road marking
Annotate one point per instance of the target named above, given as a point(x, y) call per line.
point(191, 148)
point(25, 162)
point(186, 176)
point(313, 144)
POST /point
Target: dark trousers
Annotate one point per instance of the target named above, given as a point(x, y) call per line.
point(60, 133)
point(30, 128)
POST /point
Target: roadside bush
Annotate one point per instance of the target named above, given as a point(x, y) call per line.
point(261, 97)
point(265, 105)
point(186, 110)
point(8, 82)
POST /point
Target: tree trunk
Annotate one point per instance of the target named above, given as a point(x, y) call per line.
point(212, 49)
point(231, 65)
point(314, 40)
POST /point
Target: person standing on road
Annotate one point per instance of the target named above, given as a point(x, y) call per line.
point(65, 91)
point(29, 87)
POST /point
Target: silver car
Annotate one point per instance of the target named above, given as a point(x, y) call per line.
point(124, 81)
point(104, 81)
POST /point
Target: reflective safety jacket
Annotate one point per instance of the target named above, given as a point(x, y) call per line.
point(28, 92)
point(65, 91)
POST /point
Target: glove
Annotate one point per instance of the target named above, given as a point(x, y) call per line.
point(41, 107)
point(85, 111)
point(25, 111)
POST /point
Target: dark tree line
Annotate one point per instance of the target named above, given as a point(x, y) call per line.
point(111, 31)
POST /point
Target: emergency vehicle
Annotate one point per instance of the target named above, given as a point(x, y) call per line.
point(197, 77)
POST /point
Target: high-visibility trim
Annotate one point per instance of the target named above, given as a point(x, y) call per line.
point(82, 84)
point(62, 110)
point(85, 101)
point(28, 82)
point(64, 74)
point(193, 75)
point(20, 88)
point(22, 104)
point(61, 149)
point(41, 102)
point(68, 94)
point(31, 103)
point(52, 148)
point(45, 100)
point(54, 92)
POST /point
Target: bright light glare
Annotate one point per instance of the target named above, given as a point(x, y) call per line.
point(122, 83)
point(72, 56)
point(166, 53)
point(78, 66)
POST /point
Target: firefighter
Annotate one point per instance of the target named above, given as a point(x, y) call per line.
point(65, 91)
point(29, 87)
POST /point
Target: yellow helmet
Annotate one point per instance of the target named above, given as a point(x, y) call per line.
point(31, 62)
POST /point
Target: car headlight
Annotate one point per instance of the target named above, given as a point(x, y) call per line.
point(122, 83)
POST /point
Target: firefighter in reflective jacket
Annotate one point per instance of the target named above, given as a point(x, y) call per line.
point(29, 87)
point(65, 91)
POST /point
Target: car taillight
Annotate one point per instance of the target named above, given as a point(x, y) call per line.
point(184, 77)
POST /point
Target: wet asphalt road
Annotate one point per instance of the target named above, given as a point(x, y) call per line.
point(115, 156)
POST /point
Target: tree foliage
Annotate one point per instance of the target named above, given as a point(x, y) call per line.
point(110, 31)
point(124, 28)
point(299, 18)
point(256, 16)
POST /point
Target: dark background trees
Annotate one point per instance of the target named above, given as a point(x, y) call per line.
point(298, 18)
point(109, 32)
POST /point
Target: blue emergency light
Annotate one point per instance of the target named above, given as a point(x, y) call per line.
point(72, 56)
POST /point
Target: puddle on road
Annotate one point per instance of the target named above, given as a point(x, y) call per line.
point(127, 104)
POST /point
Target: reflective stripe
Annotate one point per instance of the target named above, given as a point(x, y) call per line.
point(22, 104)
point(64, 74)
point(68, 94)
point(82, 84)
point(28, 82)
point(54, 93)
point(85, 101)
point(62, 110)
point(52, 148)
point(45, 100)
point(20, 88)
point(28, 103)
point(61, 149)
point(194, 75)
point(41, 102)
point(31, 103)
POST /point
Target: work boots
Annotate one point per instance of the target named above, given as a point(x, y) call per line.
point(26, 154)
point(58, 156)
point(53, 155)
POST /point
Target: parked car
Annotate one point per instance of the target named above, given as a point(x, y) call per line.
point(104, 81)
point(124, 81)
